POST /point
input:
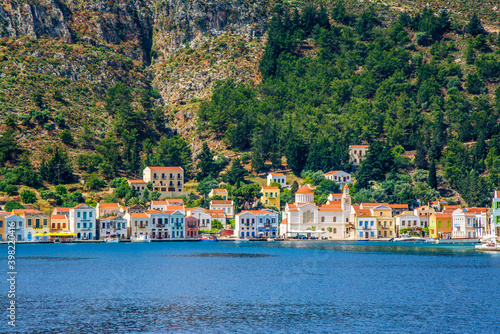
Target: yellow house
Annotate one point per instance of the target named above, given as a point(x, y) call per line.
point(37, 223)
point(385, 221)
point(270, 196)
point(440, 225)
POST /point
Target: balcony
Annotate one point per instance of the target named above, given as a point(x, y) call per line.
point(160, 225)
point(142, 226)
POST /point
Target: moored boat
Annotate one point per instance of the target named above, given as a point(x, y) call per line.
point(141, 238)
point(208, 237)
point(112, 239)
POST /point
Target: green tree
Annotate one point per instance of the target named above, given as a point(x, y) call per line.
point(58, 169)
point(474, 84)
point(432, 175)
point(236, 173)
point(9, 206)
point(475, 27)
point(206, 185)
point(206, 165)
point(66, 137)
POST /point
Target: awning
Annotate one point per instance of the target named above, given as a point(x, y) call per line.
point(40, 234)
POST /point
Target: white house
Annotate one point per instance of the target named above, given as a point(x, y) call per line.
point(278, 178)
point(139, 186)
point(113, 225)
point(470, 223)
point(17, 223)
point(357, 153)
point(334, 198)
point(339, 177)
point(204, 220)
point(177, 225)
point(408, 219)
point(160, 224)
point(82, 221)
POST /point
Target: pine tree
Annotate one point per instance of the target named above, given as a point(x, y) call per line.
point(206, 165)
point(475, 26)
point(236, 173)
point(323, 20)
point(421, 157)
point(432, 180)
point(470, 56)
point(257, 161)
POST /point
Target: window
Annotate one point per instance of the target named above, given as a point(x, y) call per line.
point(403, 223)
point(154, 175)
point(361, 234)
point(90, 214)
point(322, 219)
point(371, 224)
point(78, 214)
point(29, 222)
point(162, 175)
point(380, 233)
point(334, 219)
point(90, 225)
point(179, 175)
point(78, 225)
point(360, 223)
point(335, 230)
point(372, 234)
point(45, 222)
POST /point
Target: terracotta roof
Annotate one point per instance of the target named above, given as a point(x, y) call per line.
point(477, 210)
point(159, 202)
point(221, 202)
point(451, 207)
point(136, 181)
point(139, 215)
point(422, 206)
point(174, 207)
point(213, 211)
point(62, 209)
point(439, 201)
point(442, 215)
point(174, 200)
point(217, 215)
point(16, 211)
point(154, 211)
point(364, 213)
point(58, 217)
point(359, 146)
point(371, 205)
point(304, 190)
point(108, 218)
point(256, 212)
point(284, 221)
point(219, 190)
point(271, 188)
point(448, 210)
point(335, 195)
point(109, 205)
point(333, 172)
point(329, 207)
point(405, 213)
point(277, 174)
point(165, 168)
point(398, 206)
point(79, 205)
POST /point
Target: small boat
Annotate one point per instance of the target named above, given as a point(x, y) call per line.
point(208, 237)
point(271, 239)
point(488, 243)
point(432, 241)
point(112, 239)
point(140, 238)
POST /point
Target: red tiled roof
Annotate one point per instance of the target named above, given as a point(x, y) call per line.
point(139, 215)
point(62, 209)
point(398, 206)
point(109, 205)
point(165, 168)
point(359, 146)
point(304, 190)
point(137, 181)
point(219, 190)
point(16, 211)
point(335, 195)
point(271, 188)
point(255, 212)
point(220, 202)
point(58, 217)
point(333, 172)
point(174, 200)
point(174, 207)
point(284, 221)
point(277, 174)
point(108, 218)
point(364, 213)
point(442, 215)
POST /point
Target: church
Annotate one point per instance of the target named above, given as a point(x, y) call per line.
point(306, 218)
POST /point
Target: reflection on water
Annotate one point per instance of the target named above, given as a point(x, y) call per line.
point(245, 287)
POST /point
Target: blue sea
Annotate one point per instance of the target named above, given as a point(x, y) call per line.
point(253, 287)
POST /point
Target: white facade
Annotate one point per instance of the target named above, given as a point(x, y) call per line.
point(470, 223)
point(278, 178)
point(409, 220)
point(113, 226)
point(160, 224)
point(366, 228)
point(311, 220)
point(204, 221)
point(340, 177)
point(357, 153)
point(178, 225)
point(227, 207)
point(18, 224)
point(256, 224)
point(82, 221)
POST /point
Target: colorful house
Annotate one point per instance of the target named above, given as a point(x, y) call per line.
point(10, 222)
point(495, 217)
point(219, 192)
point(256, 224)
point(169, 181)
point(440, 225)
point(340, 177)
point(357, 153)
point(3, 229)
point(107, 209)
point(138, 224)
point(278, 178)
point(37, 224)
point(191, 227)
point(424, 212)
point(270, 196)
point(407, 220)
point(227, 207)
point(113, 225)
point(470, 222)
point(177, 225)
point(82, 222)
point(365, 224)
point(160, 227)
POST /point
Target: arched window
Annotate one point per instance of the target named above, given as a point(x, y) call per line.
point(308, 216)
point(334, 230)
point(334, 219)
point(322, 219)
point(312, 217)
point(304, 218)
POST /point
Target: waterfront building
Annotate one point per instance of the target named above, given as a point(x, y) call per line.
point(470, 222)
point(204, 220)
point(168, 204)
point(82, 221)
point(192, 211)
point(107, 209)
point(278, 178)
point(37, 224)
point(227, 207)
point(132, 209)
point(357, 153)
point(177, 224)
point(424, 212)
point(384, 221)
point(440, 225)
point(9, 221)
point(138, 224)
point(169, 181)
point(270, 196)
point(59, 223)
point(305, 218)
point(160, 227)
point(192, 227)
point(495, 214)
point(219, 192)
point(113, 225)
point(398, 209)
point(139, 186)
point(256, 224)
point(339, 176)
point(365, 224)
point(407, 220)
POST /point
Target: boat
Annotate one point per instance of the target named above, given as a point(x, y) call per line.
point(409, 239)
point(208, 237)
point(432, 241)
point(112, 239)
point(141, 238)
point(488, 243)
point(271, 239)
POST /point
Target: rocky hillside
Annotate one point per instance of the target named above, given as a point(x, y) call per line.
point(59, 56)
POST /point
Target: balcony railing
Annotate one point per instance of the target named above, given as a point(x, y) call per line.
point(160, 225)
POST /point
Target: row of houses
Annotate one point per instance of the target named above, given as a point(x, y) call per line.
point(340, 219)
point(168, 219)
